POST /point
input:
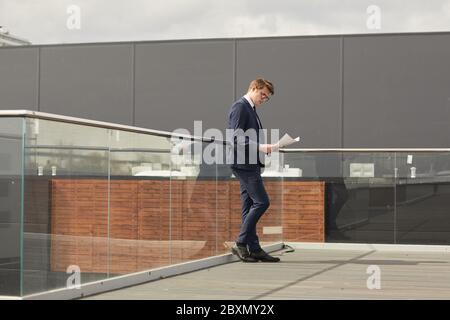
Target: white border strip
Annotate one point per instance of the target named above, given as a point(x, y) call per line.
point(9, 298)
point(368, 246)
point(140, 277)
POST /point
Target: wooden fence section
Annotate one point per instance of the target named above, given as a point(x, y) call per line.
point(159, 222)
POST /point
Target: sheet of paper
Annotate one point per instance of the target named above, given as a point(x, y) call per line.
point(285, 141)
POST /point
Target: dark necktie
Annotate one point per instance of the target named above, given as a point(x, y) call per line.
point(259, 121)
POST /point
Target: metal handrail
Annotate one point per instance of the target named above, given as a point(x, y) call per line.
point(97, 124)
point(366, 150)
point(167, 134)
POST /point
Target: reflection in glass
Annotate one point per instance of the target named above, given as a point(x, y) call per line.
point(193, 184)
point(359, 189)
point(423, 197)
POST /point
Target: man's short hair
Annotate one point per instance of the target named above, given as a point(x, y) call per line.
point(260, 83)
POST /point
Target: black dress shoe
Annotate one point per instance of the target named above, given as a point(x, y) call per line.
point(263, 256)
point(242, 253)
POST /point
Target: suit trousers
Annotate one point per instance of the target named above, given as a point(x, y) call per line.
point(255, 202)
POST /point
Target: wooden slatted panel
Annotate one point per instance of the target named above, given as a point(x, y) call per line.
point(146, 214)
point(79, 224)
point(303, 211)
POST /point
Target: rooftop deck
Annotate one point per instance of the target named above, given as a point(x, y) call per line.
point(311, 273)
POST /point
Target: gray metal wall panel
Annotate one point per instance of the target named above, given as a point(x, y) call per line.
point(19, 78)
point(178, 83)
point(395, 86)
point(88, 81)
point(397, 91)
point(306, 76)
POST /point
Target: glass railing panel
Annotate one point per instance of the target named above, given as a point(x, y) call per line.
point(228, 214)
point(359, 194)
point(99, 203)
point(193, 200)
point(303, 197)
point(65, 232)
point(11, 166)
point(423, 198)
point(140, 197)
point(271, 227)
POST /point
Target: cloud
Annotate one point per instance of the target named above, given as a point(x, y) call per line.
point(44, 22)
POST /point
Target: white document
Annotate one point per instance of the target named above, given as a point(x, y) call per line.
point(285, 141)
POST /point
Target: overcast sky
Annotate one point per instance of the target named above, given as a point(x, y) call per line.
point(49, 21)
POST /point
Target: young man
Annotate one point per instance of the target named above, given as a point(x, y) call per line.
point(246, 166)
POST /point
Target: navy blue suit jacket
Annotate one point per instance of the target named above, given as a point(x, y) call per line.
point(242, 116)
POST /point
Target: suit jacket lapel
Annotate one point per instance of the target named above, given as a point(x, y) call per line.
point(254, 110)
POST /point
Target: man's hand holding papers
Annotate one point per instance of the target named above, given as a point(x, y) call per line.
point(284, 142)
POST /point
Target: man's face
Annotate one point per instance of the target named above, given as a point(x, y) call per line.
point(259, 96)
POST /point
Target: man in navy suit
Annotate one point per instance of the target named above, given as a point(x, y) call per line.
point(248, 158)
